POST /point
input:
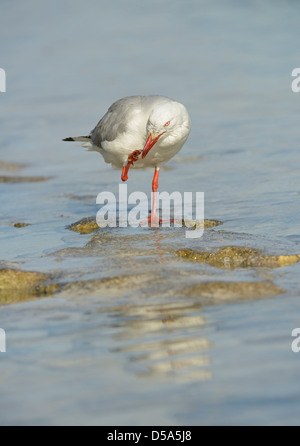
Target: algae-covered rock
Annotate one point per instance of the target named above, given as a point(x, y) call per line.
point(231, 257)
point(20, 225)
point(18, 286)
point(84, 226)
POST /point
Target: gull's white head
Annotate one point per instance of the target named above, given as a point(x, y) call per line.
point(169, 122)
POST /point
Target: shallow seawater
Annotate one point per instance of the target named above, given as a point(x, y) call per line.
point(132, 326)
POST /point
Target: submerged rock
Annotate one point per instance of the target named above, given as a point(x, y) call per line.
point(17, 179)
point(231, 257)
point(220, 291)
point(11, 166)
point(14, 167)
point(18, 286)
point(115, 284)
point(199, 224)
point(80, 197)
point(88, 225)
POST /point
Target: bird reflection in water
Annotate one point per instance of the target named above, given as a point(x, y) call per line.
point(163, 340)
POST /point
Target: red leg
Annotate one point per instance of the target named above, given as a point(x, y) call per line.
point(154, 220)
point(124, 176)
point(155, 180)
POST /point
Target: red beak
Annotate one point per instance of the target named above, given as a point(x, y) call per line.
point(150, 143)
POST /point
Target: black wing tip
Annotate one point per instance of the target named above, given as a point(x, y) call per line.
point(68, 139)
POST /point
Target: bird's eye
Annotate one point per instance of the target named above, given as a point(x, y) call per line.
point(167, 123)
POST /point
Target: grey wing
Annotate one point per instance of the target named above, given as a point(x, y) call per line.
point(115, 120)
point(119, 114)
